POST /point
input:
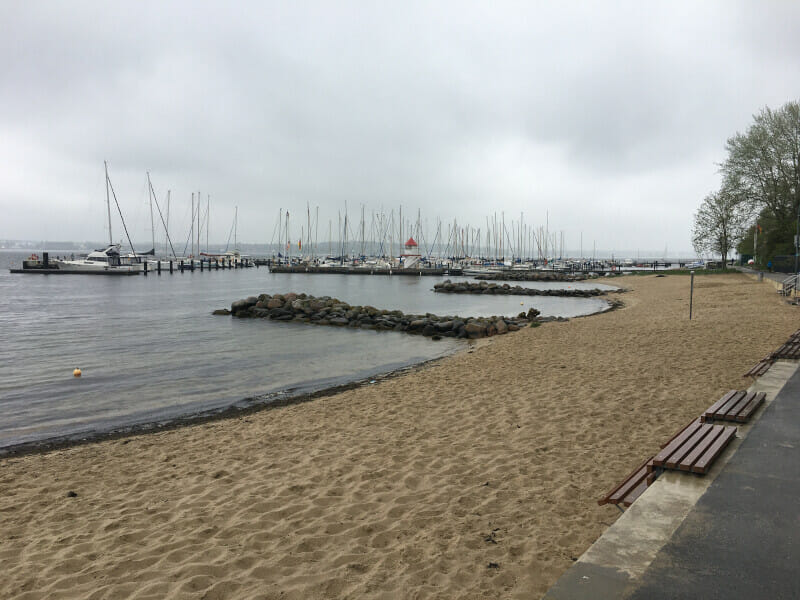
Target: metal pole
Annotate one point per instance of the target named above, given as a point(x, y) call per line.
point(796, 248)
point(108, 205)
point(691, 293)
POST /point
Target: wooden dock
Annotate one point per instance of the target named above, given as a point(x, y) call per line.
point(65, 272)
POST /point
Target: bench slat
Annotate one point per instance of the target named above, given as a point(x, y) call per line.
point(761, 368)
point(689, 445)
point(736, 407)
point(701, 448)
point(751, 407)
point(705, 461)
point(675, 443)
point(719, 403)
point(790, 350)
point(732, 402)
point(635, 493)
point(628, 484)
point(670, 440)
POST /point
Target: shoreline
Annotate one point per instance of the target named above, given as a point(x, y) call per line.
point(258, 404)
point(255, 404)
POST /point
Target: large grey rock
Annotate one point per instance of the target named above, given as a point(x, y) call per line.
point(238, 305)
point(475, 329)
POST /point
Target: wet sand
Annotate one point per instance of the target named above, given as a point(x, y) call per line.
point(476, 477)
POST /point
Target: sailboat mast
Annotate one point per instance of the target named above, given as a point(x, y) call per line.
point(198, 223)
point(208, 216)
point(280, 231)
point(166, 226)
point(191, 228)
point(152, 223)
point(108, 206)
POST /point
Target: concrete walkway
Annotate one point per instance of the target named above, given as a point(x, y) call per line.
point(734, 534)
point(771, 275)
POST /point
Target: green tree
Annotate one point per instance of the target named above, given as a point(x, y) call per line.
point(719, 224)
point(763, 168)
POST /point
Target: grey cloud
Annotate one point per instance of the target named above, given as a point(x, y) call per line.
point(601, 114)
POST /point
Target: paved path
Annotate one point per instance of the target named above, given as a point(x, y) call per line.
point(773, 276)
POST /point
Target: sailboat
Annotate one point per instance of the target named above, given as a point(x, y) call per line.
point(107, 260)
point(233, 257)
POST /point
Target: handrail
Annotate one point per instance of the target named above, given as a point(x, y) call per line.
point(789, 284)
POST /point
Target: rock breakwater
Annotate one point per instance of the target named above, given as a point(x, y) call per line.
point(325, 310)
point(504, 289)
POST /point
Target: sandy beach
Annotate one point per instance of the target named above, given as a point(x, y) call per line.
point(476, 477)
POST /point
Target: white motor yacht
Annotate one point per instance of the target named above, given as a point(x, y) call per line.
point(106, 260)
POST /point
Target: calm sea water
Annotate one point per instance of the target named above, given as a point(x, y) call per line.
point(151, 351)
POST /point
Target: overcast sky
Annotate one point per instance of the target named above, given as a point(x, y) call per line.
point(610, 117)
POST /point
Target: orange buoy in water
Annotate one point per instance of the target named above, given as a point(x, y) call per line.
point(76, 373)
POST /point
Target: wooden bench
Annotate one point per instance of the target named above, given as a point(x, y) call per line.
point(735, 406)
point(631, 487)
point(761, 368)
point(694, 448)
point(789, 350)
